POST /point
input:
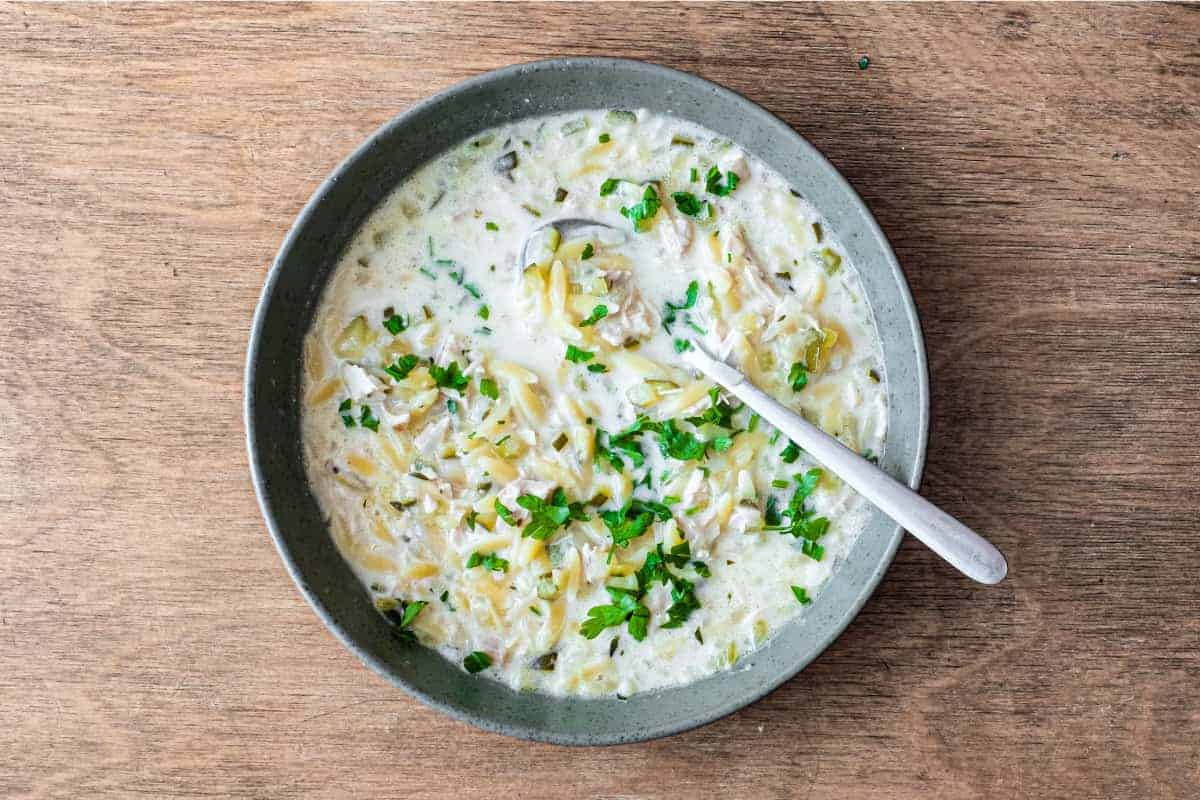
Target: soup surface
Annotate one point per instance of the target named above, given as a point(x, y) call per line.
point(512, 455)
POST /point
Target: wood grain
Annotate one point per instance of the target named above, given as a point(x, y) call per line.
point(1035, 166)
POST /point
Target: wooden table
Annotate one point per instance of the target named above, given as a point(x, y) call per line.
point(1036, 168)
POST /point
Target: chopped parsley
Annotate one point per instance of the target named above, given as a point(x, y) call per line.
point(597, 368)
point(403, 366)
point(477, 661)
point(801, 595)
point(488, 388)
point(693, 175)
point(605, 138)
point(448, 377)
point(688, 203)
point(682, 345)
point(547, 517)
point(625, 607)
point(484, 312)
point(491, 226)
point(489, 561)
point(347, 419)
point(802, 522)
point(640, 213)
point(368, 419)
point(713, 185)
point(693, 292)
point(598, 313)
point(609, 186)
point(719, 412)
point(798, 376)
point(451, 405)
point(472, 290)
point(631, 521)
point(577, 356)
point(395, 324)
point(611, 447)
point(401, 615)
point(869, 455)
point(505, 513)
point(588, 251)
point(790, 453)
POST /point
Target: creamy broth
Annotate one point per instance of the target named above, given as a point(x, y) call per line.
point(513, 457)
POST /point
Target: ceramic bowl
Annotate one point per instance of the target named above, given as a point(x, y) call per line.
point(310, 253)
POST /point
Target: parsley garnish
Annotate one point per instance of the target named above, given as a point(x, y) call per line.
point(719, 412)
point(491, 226)
point(489, 561)
point(395, 324)
point(632, 520)
point(693, 292)
point(869, 455)
point(448, 377)
point(678, 444)
point(713, 185)
point(798, 376)
point(505, 513)
point(693, 175)
point(401, 615)
point(477, 661)
point(484, 312)
point(598, 313)
point(801, 595)
point(368, 419)
point(682, 345)
point(588, 252)
point(625, 442)
point(488, 388)
point(473, 290)
point(609, 186)
point(546, 518)
point(625, 607)
point(605, 138)
point(597, 368)
point(803, 523)
point(451, 405)
point(688, 203)
point(347, 419)
point(790, 453)
point(639, 213)
point(577, 356)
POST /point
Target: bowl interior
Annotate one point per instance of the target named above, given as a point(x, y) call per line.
point(310, 252)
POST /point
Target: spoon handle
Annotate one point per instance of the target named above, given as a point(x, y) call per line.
point(965, 550)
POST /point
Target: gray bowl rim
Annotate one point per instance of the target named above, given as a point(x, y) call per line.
point(762, 117)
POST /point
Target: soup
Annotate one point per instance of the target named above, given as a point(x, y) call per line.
point(509, 450)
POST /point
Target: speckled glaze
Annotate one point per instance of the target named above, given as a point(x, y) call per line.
point(305, 262)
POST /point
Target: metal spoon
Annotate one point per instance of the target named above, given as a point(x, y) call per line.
point(965, 550)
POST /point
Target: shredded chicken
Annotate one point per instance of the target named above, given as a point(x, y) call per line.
point(633, 319)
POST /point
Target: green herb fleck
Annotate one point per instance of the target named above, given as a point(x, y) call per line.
point(688, 203)
point(491, 226)
point(798, 376)
point(598, 313)
point(609, 186)
point(577, 356)
point(448, 377)
point(801, 595)
point(505, 513)
point(395, 324)
point(368, 419)
point(477, 662)
point(484, 312)
point(489, 561)
point(713, 185)
point(588, 251)
point(605, 138)
point(488, 388)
